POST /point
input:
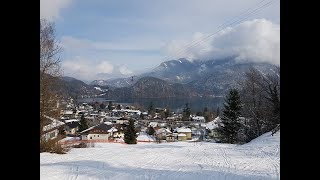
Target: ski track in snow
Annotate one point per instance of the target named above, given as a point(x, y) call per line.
point(259, 159)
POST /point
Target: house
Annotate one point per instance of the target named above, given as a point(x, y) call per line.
point(51, 129)
point(170, 138)
point(98, 132)
point(68, 114)
point(182, 137)
point(186, 131)
point(117, 131)
point(199, 119)
point(153, 124)
point(71, 127)
point(162, 133)
point(212, 128)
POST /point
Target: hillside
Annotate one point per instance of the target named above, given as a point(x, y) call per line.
point(258, 159)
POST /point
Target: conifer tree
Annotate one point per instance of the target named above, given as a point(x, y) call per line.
point(230, 117)
point(130, 136)
point(83, 124)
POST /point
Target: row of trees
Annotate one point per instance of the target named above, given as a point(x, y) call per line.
point(257, 102)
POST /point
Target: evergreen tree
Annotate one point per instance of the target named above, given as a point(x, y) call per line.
point(186, 112)
point(83, 124)
point(207, 114)
point(151, 108)
point(141, 116)
point(130, 136)
point(151, 130)
point(110, 106)
point(166, 112)
point(230, 117)
point(102, 106)
point(218, 111)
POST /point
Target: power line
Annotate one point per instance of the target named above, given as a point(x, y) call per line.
point(246, 14)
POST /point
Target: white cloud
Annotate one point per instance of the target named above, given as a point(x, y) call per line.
point(257, 40)
point(124, 70)
point(104, 67)
point(50, 9)
point(85, 69)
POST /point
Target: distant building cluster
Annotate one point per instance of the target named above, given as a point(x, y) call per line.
point(109, 121)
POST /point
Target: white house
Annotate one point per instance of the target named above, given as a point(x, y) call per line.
point(199, 119)
point(51, 130)
point(99, 132)
point(153, 124)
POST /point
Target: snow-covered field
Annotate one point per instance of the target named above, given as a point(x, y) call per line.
point(259, 159)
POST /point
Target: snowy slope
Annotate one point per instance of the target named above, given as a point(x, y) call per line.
point(258, 159)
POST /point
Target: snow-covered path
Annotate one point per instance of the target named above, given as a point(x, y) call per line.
point(259, 159)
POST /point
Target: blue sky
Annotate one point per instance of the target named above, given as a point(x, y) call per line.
point(104, 39)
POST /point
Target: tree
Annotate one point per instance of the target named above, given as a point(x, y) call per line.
point(230, 117)
point(102, 106)
point(110, 106)
point(207, 114)
point(50, 89)
point(261, 97)
point(130, 136)
point(166, 112)
point(186, 112)
point(141, 116)
point(151, 130)
point(218, 111)
point(49, 74)
point(83, 124)
point(151, 109)
point(119, 107)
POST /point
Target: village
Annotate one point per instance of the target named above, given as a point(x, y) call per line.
point(107, 123)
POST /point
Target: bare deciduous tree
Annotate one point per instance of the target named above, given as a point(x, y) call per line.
point(261, 98)
point(49, 73)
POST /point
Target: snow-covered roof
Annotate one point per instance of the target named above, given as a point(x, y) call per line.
point(71, 120)
point(88, 129)
point(211, 125)
point(108, 123)
point(68, 112)
point(153, 124)
point(198, 118)
point(145, 137)
point(179, 130)
point(182, 134)
point(113, 129)
point(55, 123)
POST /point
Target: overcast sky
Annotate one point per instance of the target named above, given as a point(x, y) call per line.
point(102, 39)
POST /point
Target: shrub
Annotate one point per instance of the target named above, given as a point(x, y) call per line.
point(52, 146)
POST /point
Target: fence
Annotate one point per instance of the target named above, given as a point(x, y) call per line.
point(76, 142)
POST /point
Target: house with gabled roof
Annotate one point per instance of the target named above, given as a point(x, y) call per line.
point(98, 132)
point(51, 129)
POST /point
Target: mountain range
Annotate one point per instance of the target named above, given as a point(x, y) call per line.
point(179, 78)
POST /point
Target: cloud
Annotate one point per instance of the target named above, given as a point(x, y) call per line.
point(85, 69)
point(50, 9)
point(124, 70)
point(256, 41)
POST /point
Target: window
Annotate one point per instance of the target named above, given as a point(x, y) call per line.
point(90, 137)
point(98, 135)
